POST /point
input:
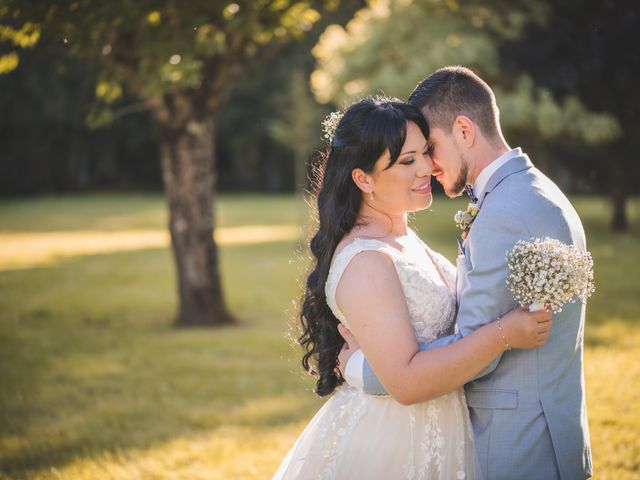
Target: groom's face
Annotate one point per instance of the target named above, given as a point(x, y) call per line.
point(450, 168)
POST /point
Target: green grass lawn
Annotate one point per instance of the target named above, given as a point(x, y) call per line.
point(95, 383)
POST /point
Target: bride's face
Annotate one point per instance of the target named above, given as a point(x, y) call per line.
point(406, 186)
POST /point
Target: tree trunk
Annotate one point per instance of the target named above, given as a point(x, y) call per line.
point(619, 221)
point(187, 155)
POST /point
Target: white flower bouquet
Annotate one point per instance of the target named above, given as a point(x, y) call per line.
point(546, 271)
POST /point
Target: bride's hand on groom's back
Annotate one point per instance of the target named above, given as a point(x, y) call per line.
point(524, 329)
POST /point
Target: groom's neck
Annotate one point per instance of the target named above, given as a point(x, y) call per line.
point(485, 153)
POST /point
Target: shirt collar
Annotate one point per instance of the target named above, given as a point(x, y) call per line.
point(481, 182)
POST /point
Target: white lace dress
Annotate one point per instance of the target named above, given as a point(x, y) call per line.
point(358, 436)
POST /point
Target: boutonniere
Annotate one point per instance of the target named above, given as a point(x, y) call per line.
point(465, 219)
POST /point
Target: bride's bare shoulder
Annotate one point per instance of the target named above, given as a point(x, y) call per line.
point(368, 273)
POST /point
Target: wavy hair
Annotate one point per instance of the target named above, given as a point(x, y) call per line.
point(366, 131)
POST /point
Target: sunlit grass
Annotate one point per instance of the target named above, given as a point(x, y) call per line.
point(33, 249)
point(96, 383)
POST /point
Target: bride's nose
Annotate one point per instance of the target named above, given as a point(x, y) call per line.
point(425, 167)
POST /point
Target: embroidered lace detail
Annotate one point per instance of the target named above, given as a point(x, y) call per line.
point(410, 465)
point(348, 414)
point(431, 303)
point(458, 408)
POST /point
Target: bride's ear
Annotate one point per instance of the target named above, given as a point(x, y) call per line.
point(362, 180)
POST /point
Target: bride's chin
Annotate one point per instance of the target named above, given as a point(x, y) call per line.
point(423, 206)
point(426, 203)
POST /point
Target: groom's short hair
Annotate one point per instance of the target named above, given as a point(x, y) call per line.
point(453, 91)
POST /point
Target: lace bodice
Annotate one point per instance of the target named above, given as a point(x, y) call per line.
point(428, 286)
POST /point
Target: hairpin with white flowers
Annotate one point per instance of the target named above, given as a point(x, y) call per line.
point(330, 123)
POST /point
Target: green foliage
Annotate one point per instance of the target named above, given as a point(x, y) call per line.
point(96, 383)
point(25, 36)
point(391, 46)
point(533, 109)
point(197, 49)
point(165, 45)
point(46, 144)
point(383, 50)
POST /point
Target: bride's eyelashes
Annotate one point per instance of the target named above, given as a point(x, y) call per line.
point(409, 161)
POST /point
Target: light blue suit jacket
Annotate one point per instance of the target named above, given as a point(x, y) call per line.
point(528, 407)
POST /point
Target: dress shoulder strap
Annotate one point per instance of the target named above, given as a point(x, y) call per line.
point(342, 260)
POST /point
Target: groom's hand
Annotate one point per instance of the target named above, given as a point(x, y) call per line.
point(350, 346)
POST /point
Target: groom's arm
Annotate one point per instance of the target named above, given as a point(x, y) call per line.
point(484, 298)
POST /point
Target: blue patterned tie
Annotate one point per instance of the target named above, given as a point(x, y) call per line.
point(469, 191)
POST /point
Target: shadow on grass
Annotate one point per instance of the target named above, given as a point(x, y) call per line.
point(91, 361)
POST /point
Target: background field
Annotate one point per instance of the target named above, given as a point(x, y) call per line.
point(96, 383)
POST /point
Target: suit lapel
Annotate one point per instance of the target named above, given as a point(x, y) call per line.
point(515, 165)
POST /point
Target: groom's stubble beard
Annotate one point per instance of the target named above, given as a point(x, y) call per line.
point(461, 180)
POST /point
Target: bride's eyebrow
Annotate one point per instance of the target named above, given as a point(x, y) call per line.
point(406, 153)
point(426, 145)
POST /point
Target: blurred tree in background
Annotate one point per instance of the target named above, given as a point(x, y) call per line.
point(271, 123)
point(45, 143)
point(565, 121)
point(585, 49)
point(182, 60)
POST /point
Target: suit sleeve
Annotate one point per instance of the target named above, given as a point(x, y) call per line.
point(371, 384)
point(485, 296)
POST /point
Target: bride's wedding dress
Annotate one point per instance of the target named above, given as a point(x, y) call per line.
point(358, 436)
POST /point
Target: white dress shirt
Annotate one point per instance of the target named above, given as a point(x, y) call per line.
point(355, 364)
point(483, 178)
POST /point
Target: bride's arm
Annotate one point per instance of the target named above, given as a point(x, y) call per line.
point(370, 296)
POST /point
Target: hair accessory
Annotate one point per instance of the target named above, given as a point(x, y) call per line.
point(330, 123)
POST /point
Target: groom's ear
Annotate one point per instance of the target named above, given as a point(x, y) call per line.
point(362, 180)
point(465, 130)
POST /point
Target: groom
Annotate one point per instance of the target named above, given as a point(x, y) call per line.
point(528, 407)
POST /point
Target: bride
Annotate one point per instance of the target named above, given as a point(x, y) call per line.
point(376, 277)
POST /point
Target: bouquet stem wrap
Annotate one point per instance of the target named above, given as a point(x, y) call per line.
point(536, 306)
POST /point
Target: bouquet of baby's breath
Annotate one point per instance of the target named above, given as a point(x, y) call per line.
point(546, 271)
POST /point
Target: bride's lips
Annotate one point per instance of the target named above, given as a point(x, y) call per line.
point(423, 189)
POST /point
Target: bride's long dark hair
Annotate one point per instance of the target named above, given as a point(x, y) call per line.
point(367, 129)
